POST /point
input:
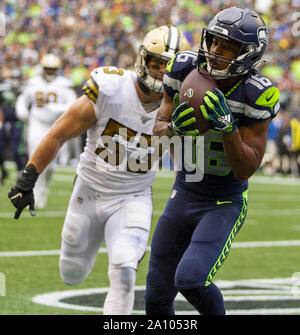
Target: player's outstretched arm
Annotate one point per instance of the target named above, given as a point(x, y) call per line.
point(79, 117)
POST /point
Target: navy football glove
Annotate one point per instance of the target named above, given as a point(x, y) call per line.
point(218, 112)
point(182, 118)
point(21, 195)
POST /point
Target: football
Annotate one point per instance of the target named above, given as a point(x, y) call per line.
point(193, 90)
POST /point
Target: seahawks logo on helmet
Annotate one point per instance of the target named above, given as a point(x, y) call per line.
point(263, 35)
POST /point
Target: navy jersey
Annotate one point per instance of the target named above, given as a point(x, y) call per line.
point(253, 99)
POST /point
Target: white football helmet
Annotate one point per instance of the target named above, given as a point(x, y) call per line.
point(50, 64)
point(162, 42)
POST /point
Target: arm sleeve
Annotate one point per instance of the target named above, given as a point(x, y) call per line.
point(91, 89)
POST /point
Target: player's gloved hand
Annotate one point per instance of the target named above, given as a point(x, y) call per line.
point(218, 112)
point(21, 195)
point(182, 118)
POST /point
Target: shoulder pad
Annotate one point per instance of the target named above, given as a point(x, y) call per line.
point(177, 69)
point(182, 61)
point(107, 80)
point(261, 93)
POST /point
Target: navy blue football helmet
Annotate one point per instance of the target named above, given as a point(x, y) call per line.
point(246, 29)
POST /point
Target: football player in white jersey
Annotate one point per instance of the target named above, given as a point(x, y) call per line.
point(41, 103)
point(111, 200)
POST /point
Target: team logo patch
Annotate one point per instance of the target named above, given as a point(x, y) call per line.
point(189, 93)
point(226, 119)
point(80, 200)
point(263, 35)
point(241, 297)
point(173, 193)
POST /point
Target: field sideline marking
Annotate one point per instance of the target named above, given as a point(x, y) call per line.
point(262, 244)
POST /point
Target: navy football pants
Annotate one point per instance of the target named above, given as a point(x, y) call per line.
point(191, 241)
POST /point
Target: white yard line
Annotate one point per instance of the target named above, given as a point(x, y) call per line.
point(251, 211)
point(262, 244)
point(25, 215)
point(65, 170)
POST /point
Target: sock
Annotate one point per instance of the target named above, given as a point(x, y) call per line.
point(160, 308)
point(120, 297)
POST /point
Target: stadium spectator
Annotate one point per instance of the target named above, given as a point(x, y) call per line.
point(91, 33)
point(12, 128)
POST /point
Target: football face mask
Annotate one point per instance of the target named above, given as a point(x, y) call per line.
point(244, 29)
point(162, 43)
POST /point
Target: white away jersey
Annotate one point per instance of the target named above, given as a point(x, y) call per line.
point(118, 154)
point(47, 100)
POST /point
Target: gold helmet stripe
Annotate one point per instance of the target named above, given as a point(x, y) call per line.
point(90, 88)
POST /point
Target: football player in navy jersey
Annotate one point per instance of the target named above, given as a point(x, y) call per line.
point(194, 234)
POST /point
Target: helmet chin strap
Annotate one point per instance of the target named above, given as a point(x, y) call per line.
point(218, 73)
point(143, 87)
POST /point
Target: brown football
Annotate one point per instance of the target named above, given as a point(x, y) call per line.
point(193, 90)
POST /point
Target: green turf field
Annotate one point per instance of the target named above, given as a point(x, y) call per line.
point(261, 275)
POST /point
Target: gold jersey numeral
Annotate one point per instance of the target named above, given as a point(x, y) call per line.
point(108, 70)
point(42, 98)
point(116, 157)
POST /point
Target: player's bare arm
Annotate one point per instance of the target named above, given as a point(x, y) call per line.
point(164, 117)
point(244, 148)
point(74, 122)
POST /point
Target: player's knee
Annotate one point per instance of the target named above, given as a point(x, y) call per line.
point(75, 232)
point(126, 252)
point(157, 287)
point(189, 274)
point(72, 272)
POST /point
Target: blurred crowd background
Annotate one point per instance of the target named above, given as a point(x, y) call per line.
point(90, 33)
